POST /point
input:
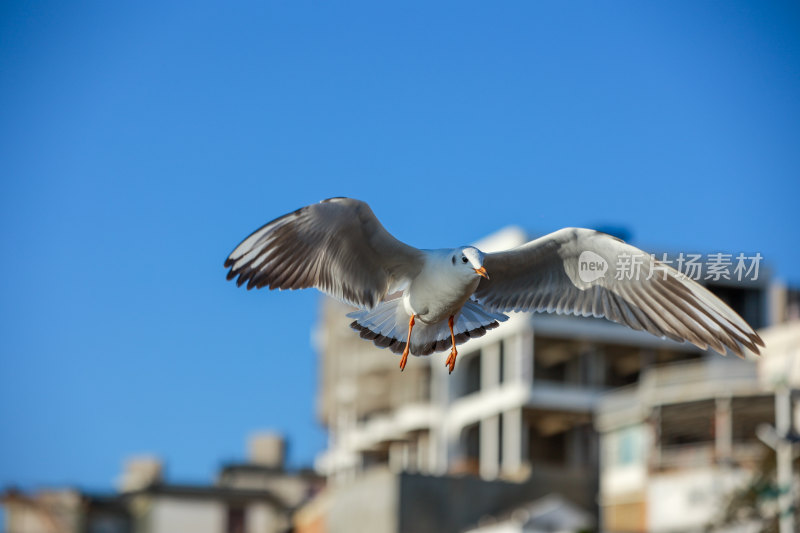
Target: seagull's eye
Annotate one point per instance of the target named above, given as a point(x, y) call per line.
point(463, 259)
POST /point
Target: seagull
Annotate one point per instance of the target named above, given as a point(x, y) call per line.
point(424, 301)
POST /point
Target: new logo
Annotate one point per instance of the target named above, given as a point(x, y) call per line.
point(591, 266)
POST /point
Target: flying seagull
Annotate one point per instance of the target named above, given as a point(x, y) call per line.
point(424, 301)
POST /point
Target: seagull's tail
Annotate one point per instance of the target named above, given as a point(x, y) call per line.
point(387, 326)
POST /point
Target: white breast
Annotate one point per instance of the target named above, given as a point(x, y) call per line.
point(439, 291)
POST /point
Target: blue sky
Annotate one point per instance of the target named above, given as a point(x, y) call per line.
point(140, 142)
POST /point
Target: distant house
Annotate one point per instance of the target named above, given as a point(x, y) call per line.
point(256, 496)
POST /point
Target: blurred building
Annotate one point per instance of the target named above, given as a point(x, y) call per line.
point(677, 443)
point(526, 415)
point(256, 496)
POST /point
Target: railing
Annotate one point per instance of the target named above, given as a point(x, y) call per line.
point(681, 456)
point(684, 381)
point(703, 372)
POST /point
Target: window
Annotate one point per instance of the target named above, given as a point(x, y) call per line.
point(472, 441)
point(236, 520)
point(472, 378)
point(745, 301)
point(546, 448)
point(629, 449)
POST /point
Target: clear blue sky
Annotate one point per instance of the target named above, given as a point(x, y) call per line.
point(140, 142)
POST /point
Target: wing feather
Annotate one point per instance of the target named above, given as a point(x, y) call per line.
point(544, 275)
point(337, 246)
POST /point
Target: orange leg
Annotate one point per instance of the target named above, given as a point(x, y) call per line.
point(451, 361)
point(408, 345)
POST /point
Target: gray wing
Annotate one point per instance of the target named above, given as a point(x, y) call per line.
point(337, 246)
point(546, 275)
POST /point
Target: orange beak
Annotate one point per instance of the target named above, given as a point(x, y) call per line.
point(482, 272)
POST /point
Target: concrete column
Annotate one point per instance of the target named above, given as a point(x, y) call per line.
point(524, 357)
point(490, 367)
point(447, 449)
point(797, 416)
point(423, 453)
point(515, 441)
point(783, 450)
point(396, 457)
point(439, 440)
point(437, 452)
point(723, 429)
point(655, 458)
point(723, 446)
point(489, 447)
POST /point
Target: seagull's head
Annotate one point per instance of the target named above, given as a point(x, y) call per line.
point(469, 259)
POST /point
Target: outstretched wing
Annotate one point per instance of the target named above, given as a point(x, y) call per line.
point(337, 246)
point(546, 275)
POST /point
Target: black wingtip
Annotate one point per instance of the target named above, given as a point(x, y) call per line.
point(757, 339)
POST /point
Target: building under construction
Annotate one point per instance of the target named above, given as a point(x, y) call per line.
point(627, 431)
